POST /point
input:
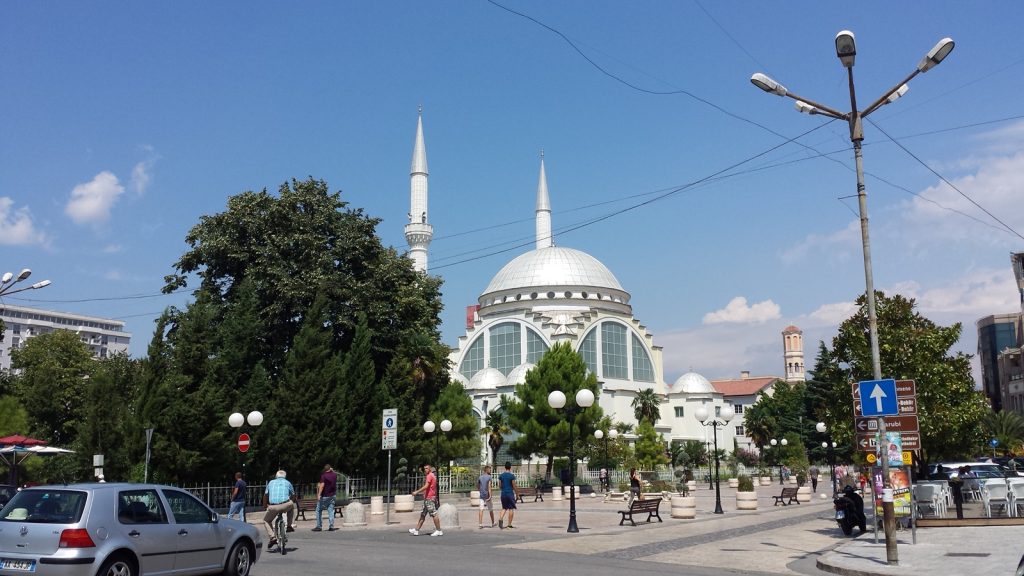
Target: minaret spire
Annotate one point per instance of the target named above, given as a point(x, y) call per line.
point(543, 209)
point(418, 232)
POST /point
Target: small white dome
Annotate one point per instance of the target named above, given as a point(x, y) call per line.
point(518, 374)
point(487, 379)
point(458, 377)
point(692, 383)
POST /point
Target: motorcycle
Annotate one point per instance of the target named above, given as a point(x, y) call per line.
point(849, 507)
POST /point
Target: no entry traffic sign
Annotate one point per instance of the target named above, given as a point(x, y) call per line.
point(243, 443)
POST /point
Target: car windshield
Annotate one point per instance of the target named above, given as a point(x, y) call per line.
point(45, 506)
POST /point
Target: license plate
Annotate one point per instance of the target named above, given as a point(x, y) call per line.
point(840, 514)
point(19, 565)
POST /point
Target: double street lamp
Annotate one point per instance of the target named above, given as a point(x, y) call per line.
point(612, 434)
point(8, 281)
point(830, 446)
point(236, 420)
point(584, 399)
point(722, 419)
point(846, 51)
point(429, 427)
point(778, 455)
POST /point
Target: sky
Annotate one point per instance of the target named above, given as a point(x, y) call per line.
point(726, 214)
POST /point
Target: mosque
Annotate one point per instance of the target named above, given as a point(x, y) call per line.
point(553, 294)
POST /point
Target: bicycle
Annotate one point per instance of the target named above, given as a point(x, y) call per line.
point(281, 530)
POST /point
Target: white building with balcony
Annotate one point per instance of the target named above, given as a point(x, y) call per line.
point(103, 336)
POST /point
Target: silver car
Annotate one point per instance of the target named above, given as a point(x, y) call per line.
point(121, 530)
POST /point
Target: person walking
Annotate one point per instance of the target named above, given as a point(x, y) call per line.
point(326, 491)
point(602, 476)
point(634, 486)
point(483, 484)
point(237, 508)
point(812, 472)
point(429, 490)
point(509, 494)
point(279, 498)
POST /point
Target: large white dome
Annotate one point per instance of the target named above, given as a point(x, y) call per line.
point(553, 266)
point(692, 383)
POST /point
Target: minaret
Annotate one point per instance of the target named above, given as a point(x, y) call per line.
point(418, 232)
point(543, 209)
point(793, 353)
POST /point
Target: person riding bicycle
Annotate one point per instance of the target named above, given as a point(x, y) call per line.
point(279, 498)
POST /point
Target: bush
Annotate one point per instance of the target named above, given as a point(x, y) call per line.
point(660, 486)
point(746, 484)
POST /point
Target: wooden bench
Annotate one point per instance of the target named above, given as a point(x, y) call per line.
point(310, 505)
point(537, 494)
point(639, 507)
point(787, 497)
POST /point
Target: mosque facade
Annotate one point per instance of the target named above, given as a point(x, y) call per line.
point(552, 294)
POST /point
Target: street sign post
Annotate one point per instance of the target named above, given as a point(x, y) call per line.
point(389, 427)
point(878, 397)
point(892, 424)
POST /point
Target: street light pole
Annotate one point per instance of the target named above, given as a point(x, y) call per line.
point(599, 434)
point(584, 399)
point(429, 427)
point(830, 446)
point(236, 420)
point(778, 455)
point(846, 51)
point(705, 419)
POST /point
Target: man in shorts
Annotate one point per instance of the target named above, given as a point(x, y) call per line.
point(509, 493)
point(429, 490)
point(483, 484)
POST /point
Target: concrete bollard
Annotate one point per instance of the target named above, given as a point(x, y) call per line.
point(556, 493)
point(448, 514)
point(474, 498)
point(376, 505)
point(355, 514)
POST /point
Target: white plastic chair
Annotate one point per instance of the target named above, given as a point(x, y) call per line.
point(1016, 489)
point(944, 495)
point(994, 491)
point(928, 498)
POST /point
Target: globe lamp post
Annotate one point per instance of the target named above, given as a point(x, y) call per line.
point(703, 416)
point(584, 399)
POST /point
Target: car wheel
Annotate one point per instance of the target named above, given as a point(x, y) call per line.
point(239, 560)
point(118, 566)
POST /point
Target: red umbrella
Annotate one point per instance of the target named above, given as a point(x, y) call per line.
point(19, 440)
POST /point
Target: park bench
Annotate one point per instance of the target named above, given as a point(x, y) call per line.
point(639, 507)
point(787, 497)
point(537, 495)
point(310, 505)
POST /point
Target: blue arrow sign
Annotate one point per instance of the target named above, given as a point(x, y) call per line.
point(878, 397)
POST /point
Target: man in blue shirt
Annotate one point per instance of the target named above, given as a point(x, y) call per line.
point(279, 498)
point(237, 508)
point(509, 494)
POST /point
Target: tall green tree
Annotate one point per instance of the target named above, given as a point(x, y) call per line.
point(463, 440)
point(650, 448)
point(496, 428)
point(361, 404)
point(544, 430)
point(109, 425)
point(646, 406)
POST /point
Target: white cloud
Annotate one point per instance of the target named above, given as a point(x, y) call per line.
point(834, 314)
point(16, 226)
point(839, 245)
point(113, 249)
point(738, 312)
point(142, 173)
point(91, 202)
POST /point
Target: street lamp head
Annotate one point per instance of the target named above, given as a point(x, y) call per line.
point(728, 413)
point(846, 48)
point(897, 94)
point(785, 442)
point(40, 284)
point(613, 434)
point(255, 418)
point(820, 427)
point(584, 398)
point(236, 420)
point(6, 278)
point(833, 444)
point(824, 444)
point(25, 273)
point(598, 434)
point(701, 414)
point(765, 83)
point(774, 442)
point(556, 399)
point(446, 425)
point(428, 426)
point(805, 108)
point(936, 55)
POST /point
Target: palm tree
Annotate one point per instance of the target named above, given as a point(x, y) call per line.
point(645, 406)
point(496, 426)
point(1007, 428)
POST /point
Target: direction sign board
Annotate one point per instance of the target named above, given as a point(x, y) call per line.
point(389, 429)
point(243, 443)
point(904, 389)
point(906, 406)
point(869, 442)
point(869, 424)
point(878, 397)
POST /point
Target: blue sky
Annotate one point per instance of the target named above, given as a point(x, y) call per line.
point(124, 122)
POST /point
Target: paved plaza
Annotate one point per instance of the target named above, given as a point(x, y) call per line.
point(795, 539)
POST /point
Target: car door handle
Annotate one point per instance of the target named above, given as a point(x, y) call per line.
point(134, 533)
point(182, 532)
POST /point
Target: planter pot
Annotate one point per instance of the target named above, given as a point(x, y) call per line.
point(746, 500)
point(803, 494)
point(404, 502)
point(766, 480)
point(376, 505)
point(691, 484)
point(684, 507)
point(474, 498)
point(792, 479)
point(734, 482)
point(556, 493)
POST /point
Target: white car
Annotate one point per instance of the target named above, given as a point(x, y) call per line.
point(120, 530)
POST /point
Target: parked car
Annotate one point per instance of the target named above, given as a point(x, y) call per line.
point(6, 493)
point(946, 470)
point(121, 530)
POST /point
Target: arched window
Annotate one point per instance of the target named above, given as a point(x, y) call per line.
point(473, 361)
point(506, 347)
point(535, 346)
point(588, 350)
point(643, 369)
point(613, 351)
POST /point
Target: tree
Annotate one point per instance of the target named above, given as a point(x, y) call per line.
point(109, 425)
point(1006, 428)
point(544, 430)
point(911, 347)
point(496, 428)
point(645, 406)
point(650, 448)
point(463, 440)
